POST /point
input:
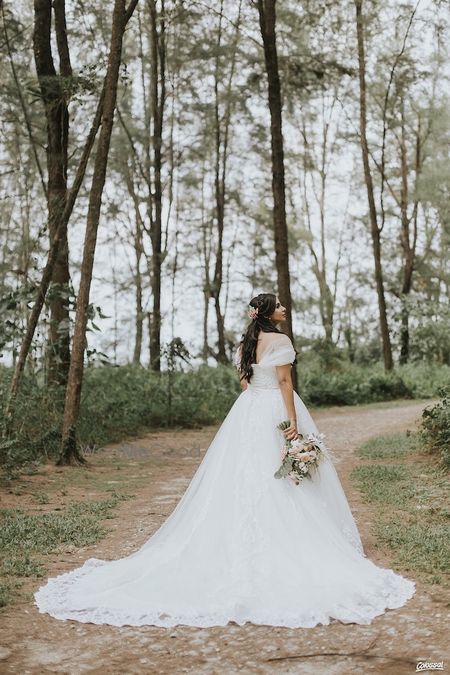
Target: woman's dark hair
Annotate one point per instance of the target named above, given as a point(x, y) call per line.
point(265, 304)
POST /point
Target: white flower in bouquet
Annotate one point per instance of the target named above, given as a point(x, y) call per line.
point(300, 456)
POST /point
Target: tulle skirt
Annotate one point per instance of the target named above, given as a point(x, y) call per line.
point(240, 545)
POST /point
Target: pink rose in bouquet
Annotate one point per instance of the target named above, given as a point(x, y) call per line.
point(299, 457)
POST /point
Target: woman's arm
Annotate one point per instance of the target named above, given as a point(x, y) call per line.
point(287, 391)
point(242, 381)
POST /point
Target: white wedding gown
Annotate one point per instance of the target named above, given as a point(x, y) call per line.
point(241, 545)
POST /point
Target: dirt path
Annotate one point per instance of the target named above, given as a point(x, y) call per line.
point(35, 643)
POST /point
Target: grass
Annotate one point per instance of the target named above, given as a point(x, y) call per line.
point(409, 494)
point(8, 591)
point(386, 484)
point(77, 524)
point(390, 446)
point(421, 546)
point(23, 536)
point(54, 510)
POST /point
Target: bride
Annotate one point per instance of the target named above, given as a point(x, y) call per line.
point(241, 545)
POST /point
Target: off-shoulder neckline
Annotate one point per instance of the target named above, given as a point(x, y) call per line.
point(273, 342)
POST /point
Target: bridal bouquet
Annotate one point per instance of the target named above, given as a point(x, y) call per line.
point(299, 457)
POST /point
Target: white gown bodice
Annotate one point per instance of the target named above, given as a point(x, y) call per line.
point(264, 377)
point(278, 353)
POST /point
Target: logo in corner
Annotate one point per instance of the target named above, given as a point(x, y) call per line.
point(429, 665)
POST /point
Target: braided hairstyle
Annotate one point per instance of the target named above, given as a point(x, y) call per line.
point(262, 307)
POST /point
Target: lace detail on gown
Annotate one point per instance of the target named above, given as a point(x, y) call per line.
point(240, 545)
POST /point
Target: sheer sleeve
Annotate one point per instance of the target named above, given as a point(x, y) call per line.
point(280, 352)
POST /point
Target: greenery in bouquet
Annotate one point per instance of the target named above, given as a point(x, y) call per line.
point(301, 456)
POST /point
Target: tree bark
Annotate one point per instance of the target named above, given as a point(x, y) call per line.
point(319, 261)
point(219, 189)
point(408, 243)
point(51, 260)
point(57, 116)
point(267, 22)
point(157, 102)
point(375, 230)
point(129, 172)
point(149, 159)
point(69, 449)
point(206, 230)
point(138, 249)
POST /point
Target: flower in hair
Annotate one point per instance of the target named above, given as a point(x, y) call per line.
point(253, 312)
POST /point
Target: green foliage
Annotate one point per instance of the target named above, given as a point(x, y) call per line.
point(436, 427)
point(390, 446)
point(425, 379)
point(35, 432)
point(122, 401)
point(23, 535)
point(352, 384)
point(385, 483)
point(6, 592)
point(431, 327)
point(411, 502)
point(13, 305)
point(118, 402)
point(325, 354)
point(420, 546)
point(78, 524)
point(21, 567)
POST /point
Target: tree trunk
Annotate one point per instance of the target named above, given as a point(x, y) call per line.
point(219, 189)
point(157, 102)
point(319, 261)
point(375, 230)
point(348, 335)
point(408, 245)
point(206, 230)
point(267, 21)
point(57, 115)
point(149, 160)
point(138, 249)
point(69, 449)
point(216, 285)
point(405, 240)
point(51, 259)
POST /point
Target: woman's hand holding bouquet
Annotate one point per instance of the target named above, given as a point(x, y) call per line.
point(300, 455)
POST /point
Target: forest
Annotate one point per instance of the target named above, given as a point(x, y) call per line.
point(164, 161)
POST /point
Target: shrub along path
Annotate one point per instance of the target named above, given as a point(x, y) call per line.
point(156, 469)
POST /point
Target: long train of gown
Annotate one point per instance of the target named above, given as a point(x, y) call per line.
point(241, 545)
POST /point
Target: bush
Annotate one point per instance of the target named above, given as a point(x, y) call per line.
point(118, 402)
point(352, 385)
point(35, 432)
point(425, 380)
point(436, 427)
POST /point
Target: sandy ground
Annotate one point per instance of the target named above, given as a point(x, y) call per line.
point(163, 464)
